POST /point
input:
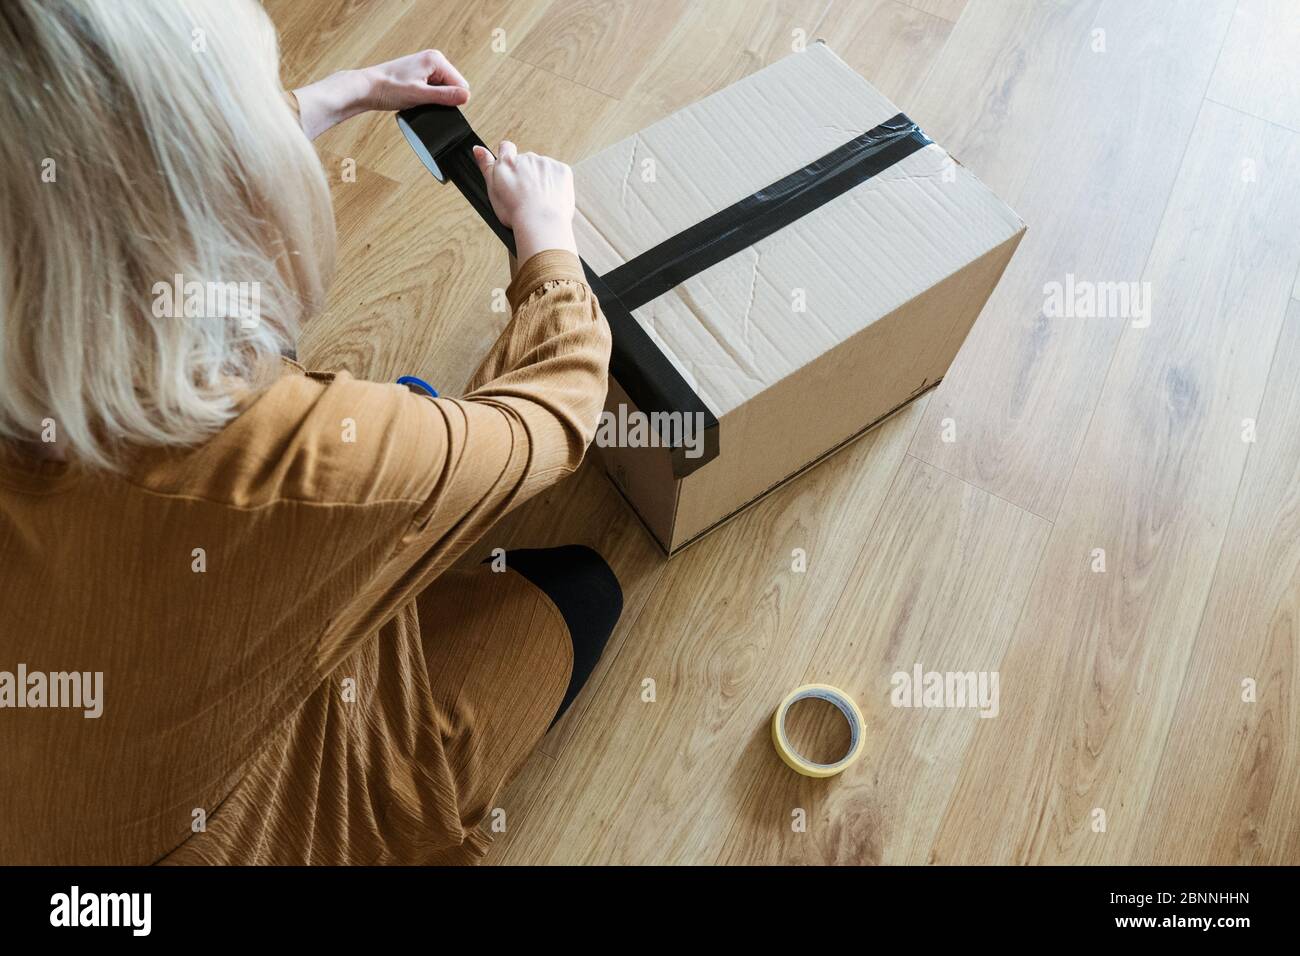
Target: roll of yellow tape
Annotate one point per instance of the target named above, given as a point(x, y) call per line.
point(857, 730)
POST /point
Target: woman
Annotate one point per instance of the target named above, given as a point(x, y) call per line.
point(227, 635)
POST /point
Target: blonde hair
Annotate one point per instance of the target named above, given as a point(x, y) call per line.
point(146, 141)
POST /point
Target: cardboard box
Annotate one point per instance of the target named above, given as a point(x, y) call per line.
point(783, 265)
point(799, 341)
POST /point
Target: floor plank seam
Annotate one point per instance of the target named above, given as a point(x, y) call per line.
point(912, 6)
point(1254, 116)
point(830, 5)
point(567, 79)
point(966, 481)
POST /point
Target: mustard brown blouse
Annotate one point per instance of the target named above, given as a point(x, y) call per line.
point(285, 676)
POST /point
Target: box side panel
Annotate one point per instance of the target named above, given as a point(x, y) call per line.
point(780, 430)
point(831, 452)
point(964, 319)
point(644, 475)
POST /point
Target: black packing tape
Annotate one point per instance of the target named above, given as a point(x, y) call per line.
point(650, 380)
point(739, 226)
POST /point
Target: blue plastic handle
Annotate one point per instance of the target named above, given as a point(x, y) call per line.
point(418, 383)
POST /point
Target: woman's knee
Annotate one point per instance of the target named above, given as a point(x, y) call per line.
point(582, 585)
point(578, 581)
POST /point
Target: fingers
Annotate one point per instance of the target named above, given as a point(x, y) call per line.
point(441, 72)
point(508, 153)
point(443, 95)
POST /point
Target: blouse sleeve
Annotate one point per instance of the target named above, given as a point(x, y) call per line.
point(530, 411)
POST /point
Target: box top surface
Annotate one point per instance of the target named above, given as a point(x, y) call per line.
point(735, 328)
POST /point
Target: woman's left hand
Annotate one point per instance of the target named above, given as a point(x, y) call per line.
point(413, 80)
point(425, 77)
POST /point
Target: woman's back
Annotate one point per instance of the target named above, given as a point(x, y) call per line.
point(202, 594)
point(248, 607)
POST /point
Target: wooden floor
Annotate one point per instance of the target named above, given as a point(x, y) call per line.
point(1143, 141)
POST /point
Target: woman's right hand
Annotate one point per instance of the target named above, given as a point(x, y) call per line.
point(532, 195)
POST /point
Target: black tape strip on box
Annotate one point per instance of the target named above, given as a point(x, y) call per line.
point(754, 218)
